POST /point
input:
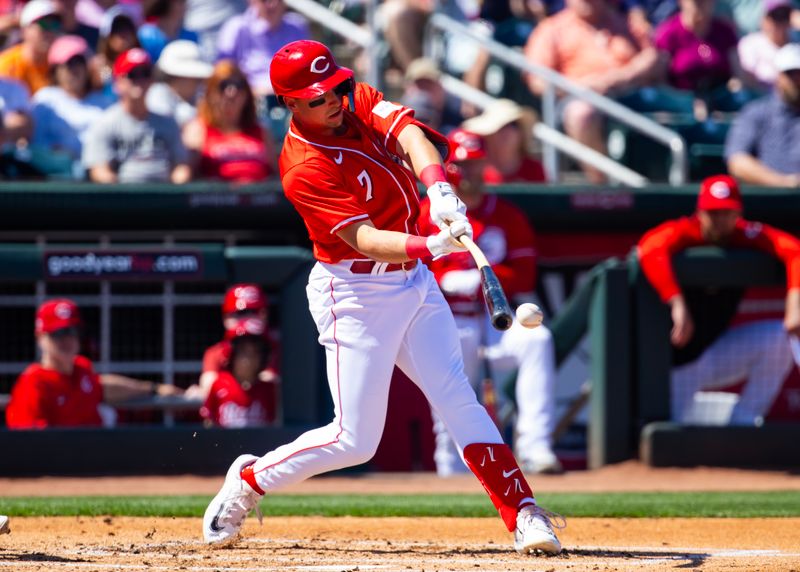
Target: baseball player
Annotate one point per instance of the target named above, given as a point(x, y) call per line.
point(503, 233)
point(348, 165)
point(62, 390)
point(707, 353)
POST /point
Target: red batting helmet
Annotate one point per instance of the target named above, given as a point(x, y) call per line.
point(465, 145)
point(241, 297)
point(305, 69)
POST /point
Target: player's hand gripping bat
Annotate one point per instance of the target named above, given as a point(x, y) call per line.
point(493, 293)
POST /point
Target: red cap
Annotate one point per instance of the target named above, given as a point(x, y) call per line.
point(719, 192)
point(241, 297)
point(249, 326)
point(129, 60)
point(465, 145)
point(305, 69)
point(56, 315)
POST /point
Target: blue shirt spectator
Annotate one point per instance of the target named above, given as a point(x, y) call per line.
point(164, 23)
point(252, 39)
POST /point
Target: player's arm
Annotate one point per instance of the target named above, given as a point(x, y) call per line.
point(395, 247)
point(118, 388)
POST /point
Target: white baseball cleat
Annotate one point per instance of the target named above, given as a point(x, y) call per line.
point(4, 526)
point(543, 461)
point(227, 511)
point(535, 531)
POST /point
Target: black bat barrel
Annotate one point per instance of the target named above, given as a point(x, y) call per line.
point(496, 301)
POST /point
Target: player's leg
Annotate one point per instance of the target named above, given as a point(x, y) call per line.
point(446, 455)
point(431, 356)
point(533, 353)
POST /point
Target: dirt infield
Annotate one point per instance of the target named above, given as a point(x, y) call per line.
point(404, 544)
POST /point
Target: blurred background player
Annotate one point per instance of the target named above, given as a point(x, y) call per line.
point(707, 352)
point(244, 313)
point(238, 397)
point(505, 236)
point(62, 389)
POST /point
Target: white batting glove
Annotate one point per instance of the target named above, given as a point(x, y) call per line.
point(446, 207)
point(461, 282)
point(445, 242)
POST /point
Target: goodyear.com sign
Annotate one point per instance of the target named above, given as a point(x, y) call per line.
point(120, 265)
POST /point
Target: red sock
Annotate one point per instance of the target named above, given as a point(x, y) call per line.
point(250, 479)
point(497, 470)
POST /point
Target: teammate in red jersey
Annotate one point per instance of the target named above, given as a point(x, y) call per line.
point(506, 237)
point(349, 166)
point(63, 390)
point(707, 352)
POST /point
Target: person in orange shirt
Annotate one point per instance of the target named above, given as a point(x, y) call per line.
point(707, 352)
point(27, 61)
point(590, 43)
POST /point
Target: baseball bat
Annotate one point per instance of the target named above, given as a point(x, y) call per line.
point(496, 300)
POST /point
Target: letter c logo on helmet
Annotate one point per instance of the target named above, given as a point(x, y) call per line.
point(314, 65)
point(305, 69)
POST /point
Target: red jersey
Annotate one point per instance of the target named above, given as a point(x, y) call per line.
point(334, 182)
point(240, 157)
point(530, 170)
point(46, 398)
point(505, 236)
point(658, 245)
point(229, 404)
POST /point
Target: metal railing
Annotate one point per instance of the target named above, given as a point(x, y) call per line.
point(675, 143)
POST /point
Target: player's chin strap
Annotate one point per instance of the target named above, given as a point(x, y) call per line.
point(497, 470)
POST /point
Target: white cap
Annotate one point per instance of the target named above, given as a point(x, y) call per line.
point(788, 58)
point(181, 58)
point(36, 10)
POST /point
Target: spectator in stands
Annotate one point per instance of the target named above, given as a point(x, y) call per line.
point(226, 140)
point(163, 24)
point(64, 111)
point(505, 235)
point(252, 38)
point(117, 35)
point(506, 129)
point(244, 313)
point(27, 62)
point(757, 50)
point(763, 144)
point(238, 397)
point(15, 119)
point(590, 43)
point(129, 144)
point(707, 353)
point(183, 72)
point(425, 95)
point(697, 49)
point(644, 14)
point(206, 18)
point(73, 26)
point(62, 389)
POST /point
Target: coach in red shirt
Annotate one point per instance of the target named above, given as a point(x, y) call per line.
point(63, 390)
point(708, 354)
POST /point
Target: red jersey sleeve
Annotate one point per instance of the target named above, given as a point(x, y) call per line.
point(28, 408)
point(216, 357)
point(657, 247)
point(517, 271)
point(771, 240)
point(389, 119)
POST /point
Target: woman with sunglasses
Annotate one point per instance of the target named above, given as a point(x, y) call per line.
point(63, 111)
point(117, 35)
point(226, 139)
point(26, 62)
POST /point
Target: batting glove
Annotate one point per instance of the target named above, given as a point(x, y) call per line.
point(446, 207)
point(445, 242)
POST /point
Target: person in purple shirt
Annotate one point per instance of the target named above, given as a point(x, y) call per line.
point(252, 39)
point(698, 50)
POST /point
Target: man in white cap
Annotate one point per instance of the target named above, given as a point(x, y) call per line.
point(26, 62)
point(183, 71)
point(763, 145)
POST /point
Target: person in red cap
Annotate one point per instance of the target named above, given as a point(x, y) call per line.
point(708, 352)
point(349, 165)
point(129, 144)
point(504, 234)
point(62, 389)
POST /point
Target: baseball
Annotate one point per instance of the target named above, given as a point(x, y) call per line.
point(529, 315)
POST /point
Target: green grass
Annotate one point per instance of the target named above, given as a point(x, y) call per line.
point(672, 504)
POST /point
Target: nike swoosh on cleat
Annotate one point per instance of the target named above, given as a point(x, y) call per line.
point(338, 160)
point(215, 522)
point(507, 474)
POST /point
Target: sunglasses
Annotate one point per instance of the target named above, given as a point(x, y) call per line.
point(64, 333)
point(140, 73)
point(340, 90)
point(49, 24)
point(232, 84)
point(782, 14)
